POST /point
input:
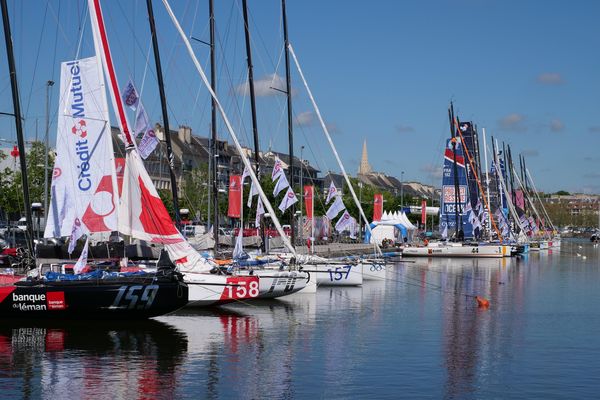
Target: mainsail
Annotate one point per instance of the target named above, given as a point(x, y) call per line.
point(83, 178)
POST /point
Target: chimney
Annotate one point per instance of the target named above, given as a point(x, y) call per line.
point(185, 134)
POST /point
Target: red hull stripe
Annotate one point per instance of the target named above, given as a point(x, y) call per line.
point(5, 291)
point(111, 71)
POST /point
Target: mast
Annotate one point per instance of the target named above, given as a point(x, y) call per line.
point(251, 85)
point(289, 115)
point(252, 102)
point(236, 142)
point(455, 169)
point(213, 127)
point(487, 184)
point(18, 124)
point(163, 103)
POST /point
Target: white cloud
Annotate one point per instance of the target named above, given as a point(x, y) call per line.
point(513, 122)
point(530, 153)
point(550, 78)
point(594, 129)
point(556, 125)
point(305, 118)
point(433, 171)
point(404, 129)
point(263, 87)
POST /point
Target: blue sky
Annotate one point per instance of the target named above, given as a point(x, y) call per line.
point(384, 71)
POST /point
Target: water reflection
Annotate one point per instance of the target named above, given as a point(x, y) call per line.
point(417, 334)
point(71, 359)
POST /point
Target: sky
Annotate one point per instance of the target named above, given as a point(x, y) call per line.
point(382, 71)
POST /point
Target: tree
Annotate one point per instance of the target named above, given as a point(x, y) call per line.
point(11, 200)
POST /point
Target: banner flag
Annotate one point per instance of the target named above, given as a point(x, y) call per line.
point(130, 95)
point(377, 207)
point(288, 200)
point(235, 196)
point(82, 261)
point(331, 193)
point(277, 170)
point(308, 200)
point(281, 184)
point(423, 211)
point(336, 207)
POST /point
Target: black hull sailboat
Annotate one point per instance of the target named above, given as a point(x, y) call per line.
point(136, 296)
point(99, 294)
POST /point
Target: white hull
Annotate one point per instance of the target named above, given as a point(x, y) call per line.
point(487, 251)
point(373, 270)
point(274, 283)
point(336, 274)
point(311, 284)
point(210, 290)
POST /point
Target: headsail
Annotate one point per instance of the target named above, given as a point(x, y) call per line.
point(142, 214)
point(84, 177)
point(448, 200)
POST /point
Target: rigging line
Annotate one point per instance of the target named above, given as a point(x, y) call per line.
point(58, 24)
point(145, 67)
point(37, 57)
point(234, 102)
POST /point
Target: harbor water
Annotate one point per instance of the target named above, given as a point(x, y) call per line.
point(418, 334)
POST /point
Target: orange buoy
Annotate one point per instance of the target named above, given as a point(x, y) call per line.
point(482, 302)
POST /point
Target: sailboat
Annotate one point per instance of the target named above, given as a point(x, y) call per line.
point(98, 294)
point(460, 203)
point(275, 278)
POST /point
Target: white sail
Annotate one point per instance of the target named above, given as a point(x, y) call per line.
point(84, 177)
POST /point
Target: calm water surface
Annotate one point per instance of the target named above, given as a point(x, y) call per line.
point(415, 335)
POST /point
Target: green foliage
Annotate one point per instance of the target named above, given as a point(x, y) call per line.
point(11, 189)
point(563, 193)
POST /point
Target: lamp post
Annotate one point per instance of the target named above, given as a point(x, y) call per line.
point(402, 190)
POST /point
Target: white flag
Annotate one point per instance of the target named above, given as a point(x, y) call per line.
point(245, 174)
point(260, 210)
point(130, 95)
point(336, 207)
point(288, 200)
point(332, 192)
point(344, 222)
point(142, 122)
point(277, 169)
point(76, 233)
point(281, 184)
point(253, 192)
point(445, 232)
point(82, 261)
point(238, 250)
point(148, 143)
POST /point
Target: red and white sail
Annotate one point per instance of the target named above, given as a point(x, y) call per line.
point(142, 214)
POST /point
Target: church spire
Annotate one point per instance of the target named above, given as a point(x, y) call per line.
point(364, 167)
